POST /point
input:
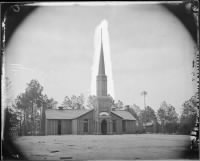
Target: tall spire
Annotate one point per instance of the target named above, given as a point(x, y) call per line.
point(101, 60)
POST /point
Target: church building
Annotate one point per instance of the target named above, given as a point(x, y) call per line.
point(100, 120)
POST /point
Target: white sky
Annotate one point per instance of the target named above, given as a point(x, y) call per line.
point(149, 50)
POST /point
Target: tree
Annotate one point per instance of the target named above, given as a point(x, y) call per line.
point(29, 107)
point(91, 101)
point(189, 115)
point(136, 109)
point(132, 111)
point(10, 114)
point(67, 103)
point(49, 103)
point(119, 105)
point(22, 104)
point(168, 116)
point(80, 101)
point(34, 93)
point(144, 93)
point(6, 84)
point(11, 122)
point(75, 102)
point(148, 115)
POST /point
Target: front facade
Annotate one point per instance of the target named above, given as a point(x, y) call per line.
point(100, 120)
point(58, 122)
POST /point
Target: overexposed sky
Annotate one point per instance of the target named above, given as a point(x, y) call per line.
point(149, 50)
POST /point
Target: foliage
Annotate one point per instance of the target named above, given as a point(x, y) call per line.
point(29, 104)
point(10, 115)
point(119, 105)
point(11, 121)
point(136, 108)
point(189, 115)
point(148, 115)
point(49, 103)
point(167, 112)
point(67, 103)
point(168, 117)
point(34, 92)
point(132, 111)
point(75, 102)
point(91, 101)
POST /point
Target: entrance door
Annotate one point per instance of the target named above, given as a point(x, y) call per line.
point(59, 127)
point(104, 127)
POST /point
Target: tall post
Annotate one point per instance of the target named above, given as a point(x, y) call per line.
point(144, 102)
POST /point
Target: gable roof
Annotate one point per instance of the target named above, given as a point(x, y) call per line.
point(124, 115)
point(64, 114)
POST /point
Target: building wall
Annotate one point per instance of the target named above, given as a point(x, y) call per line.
point(74, 126)
point(66, 127)
point(118, 123)
point(80, 123)
point(52, 127)
point(130, 126)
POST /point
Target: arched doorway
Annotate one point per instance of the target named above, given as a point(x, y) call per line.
point(104, 127)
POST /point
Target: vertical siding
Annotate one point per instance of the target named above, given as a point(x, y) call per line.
point(46, 124)
point(52, 127)
point(48, 127)
point(80, 122)
point(118, 123)
point(77, 125)
point(74, 126)
point(119, 126)
point(66, 127)
point(55, 127)
point(130, 126)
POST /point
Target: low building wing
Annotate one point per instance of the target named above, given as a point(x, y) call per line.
point(125, 115)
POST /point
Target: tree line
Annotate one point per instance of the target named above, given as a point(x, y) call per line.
point(25, 113)
point(165, 119)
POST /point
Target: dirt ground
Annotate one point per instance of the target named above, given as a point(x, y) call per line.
point(104, 147)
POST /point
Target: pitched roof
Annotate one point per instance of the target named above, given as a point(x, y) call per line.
point(64, 114)
point(124, 115)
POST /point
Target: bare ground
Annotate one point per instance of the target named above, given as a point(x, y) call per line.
point(105, 147)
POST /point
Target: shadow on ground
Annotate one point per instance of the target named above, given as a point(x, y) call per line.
point(189, 154)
